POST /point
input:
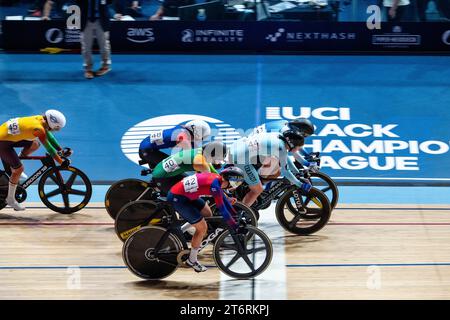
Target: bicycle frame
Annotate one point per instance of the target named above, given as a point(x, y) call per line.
point(47, 163)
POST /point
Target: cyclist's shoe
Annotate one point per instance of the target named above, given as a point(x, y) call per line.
point(15, 205)
point(196, 266)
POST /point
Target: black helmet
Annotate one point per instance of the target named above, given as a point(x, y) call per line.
point(293, 138)
point(215, 151)
point(233, 175)
point(302, 125)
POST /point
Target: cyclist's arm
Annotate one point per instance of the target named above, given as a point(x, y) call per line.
point(222, 203)
point(200, 164)
point(41, 134)
point(303, 152)
point(298, 156)
point(287, 167)
point(212, 169)
point(51, 138)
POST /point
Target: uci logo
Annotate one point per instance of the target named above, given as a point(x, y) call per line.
point(446, 37)
point(187, 35)
point(54, 35)
point(140, 35)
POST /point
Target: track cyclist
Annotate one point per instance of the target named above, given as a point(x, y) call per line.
point(305, 127)
point(173, 168)
point(24, 133)
point(249, 153)
point(185, 198)
point(187, 136)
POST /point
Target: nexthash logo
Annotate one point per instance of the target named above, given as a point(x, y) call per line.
point(274, 37)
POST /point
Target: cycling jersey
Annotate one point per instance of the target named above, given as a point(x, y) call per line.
point(28, 129)
point(276, 126)
point(168, 138)
point(250, 151)
point(182, 162)
point(192, 188)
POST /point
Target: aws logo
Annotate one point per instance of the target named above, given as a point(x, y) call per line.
point(132, 138)
point(140, 35)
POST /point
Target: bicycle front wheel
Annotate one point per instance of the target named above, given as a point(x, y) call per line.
point(145, 260)
point(65, 190)
point(243, 256)
point(312, 211)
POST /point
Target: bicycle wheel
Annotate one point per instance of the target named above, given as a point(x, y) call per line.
point(312, 211)
point(139, 254)
point(324, 183)
point(137, 214)
point(241, 211)
point(73, 187)
point(243, 256)
point(124, 191)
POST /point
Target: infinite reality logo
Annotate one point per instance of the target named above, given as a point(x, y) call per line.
point(140, 35)
point(212, 35)
point(187, 35)
point(446, 37)
point(132, 138)
point(54, 35)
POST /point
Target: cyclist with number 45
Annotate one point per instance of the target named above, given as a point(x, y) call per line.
point(23, 133)
point(187, 136)
point(185, 198)
point(250, 152)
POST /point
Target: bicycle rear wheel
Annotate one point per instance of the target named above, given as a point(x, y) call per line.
point(245, 255)
point(312, 211)
point(124, 191)
point(135, 215)
point(140, 257)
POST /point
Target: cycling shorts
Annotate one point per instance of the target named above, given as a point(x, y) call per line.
point(187, 208)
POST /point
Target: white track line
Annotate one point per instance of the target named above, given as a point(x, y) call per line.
point(271, 284)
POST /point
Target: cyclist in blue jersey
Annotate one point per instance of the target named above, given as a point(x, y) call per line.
point(250, 152)
point(187, 136)
point(304, 125)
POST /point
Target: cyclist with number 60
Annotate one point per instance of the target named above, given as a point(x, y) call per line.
point(24, 133)
point(185, 197)
point(187, 136)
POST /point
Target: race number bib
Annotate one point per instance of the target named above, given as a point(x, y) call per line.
point(253, 143)
point(190, 184)
point(170, 165)
point(157, 137)
point(260, 129)
point(13, 127)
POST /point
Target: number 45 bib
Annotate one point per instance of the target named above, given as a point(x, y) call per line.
point(190, 184)
point(13, 127)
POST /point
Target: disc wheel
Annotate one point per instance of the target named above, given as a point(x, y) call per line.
point(124, 191)
point(140, 256)
point(65, 190)
point(135, 215)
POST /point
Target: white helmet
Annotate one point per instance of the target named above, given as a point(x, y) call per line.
point(55, 119)
point(199, 128)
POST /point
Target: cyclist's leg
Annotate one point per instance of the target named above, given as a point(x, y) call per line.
point(251, 177)
point(29, 148)
point(11, 159)
point(185, 207)
point(203, 207)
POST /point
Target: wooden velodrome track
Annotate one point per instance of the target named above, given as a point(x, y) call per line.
point(365, 252)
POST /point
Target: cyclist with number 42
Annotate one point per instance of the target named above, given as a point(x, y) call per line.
point(24, 133)
point(250, 152)
point(187, 136)
point(185, 198)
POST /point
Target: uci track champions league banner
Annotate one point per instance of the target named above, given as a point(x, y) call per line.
point(354, 146)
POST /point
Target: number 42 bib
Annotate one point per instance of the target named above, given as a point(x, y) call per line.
point(190, 184)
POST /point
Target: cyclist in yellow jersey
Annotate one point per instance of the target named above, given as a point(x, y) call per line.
point(25, 133)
